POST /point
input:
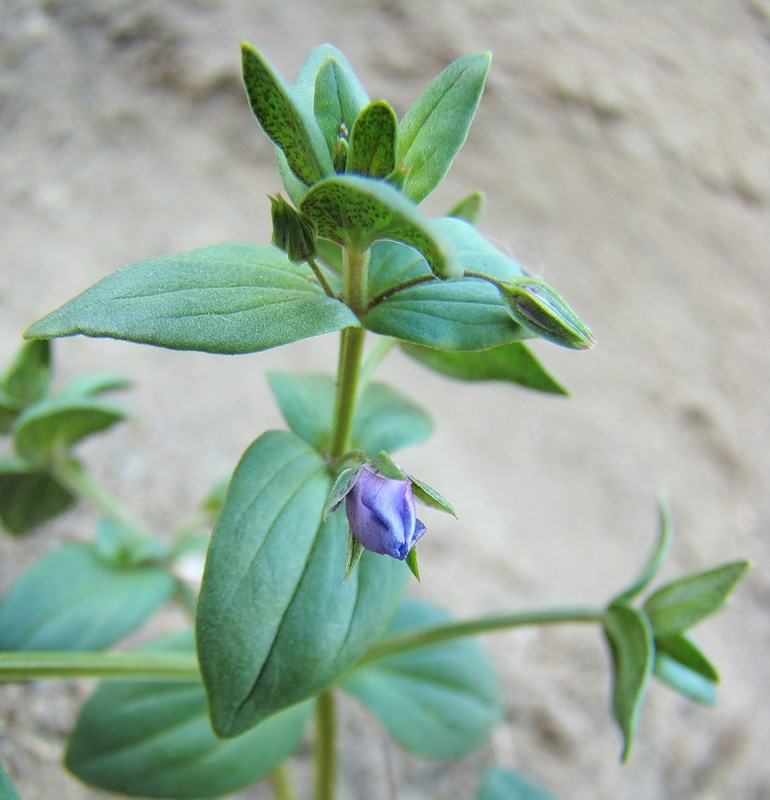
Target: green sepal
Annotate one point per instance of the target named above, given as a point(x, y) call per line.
point(293, 232)
point(630, 642)
point(57, 423)
point(153, 739)
point(428, 496)
point(439, 701)
point(342, 485)
point(413, 563)
point(470, 208)
point(657, 556)
point(681, 679)
point(384, 464)
point(537, 306)
point(372, 146)
point(435, 128)
point(337, 100)
point(513, 363)
point(284, 122)
point(71, 599)
point(26, 380)
point(502, 784)
point(29, 497)
point(229, 298)
point(355, 211)
point(685, 602)
point(355, 551)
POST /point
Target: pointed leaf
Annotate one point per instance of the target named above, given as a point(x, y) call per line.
point(276, 622)
point(385, 465)
point(305, 83)
point(57, 423)
point(29, 497)
point(72, 600)
point(513, 363)
point(373, 141)
point(428, 496)
point(683, 603)
point(682, 649)
point(338, 99)
point(687, 682)
point(439, 701)
point(94, 384)
point(470, 208)
point(284, 122)
point(465, 314)
point(153, 739)
point(7, 789)
point(356, 211)
point(229, 298)
point(656, 558)
point(355, 551)
point(436, 126)
point(501, 784)
point(383, 419)
point(631, 646)
point(27, 378)
point(413, 563)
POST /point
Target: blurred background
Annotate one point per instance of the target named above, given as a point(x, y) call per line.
point(625, 153)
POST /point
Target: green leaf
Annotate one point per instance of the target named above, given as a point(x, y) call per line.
point(284, 122)
point(72, 600)
point(631, 646)
point(430, 497)
point(57, 423)
point(342, 485)
point(656, 558)
point(501, 784)
point(383, 420)
point(338, 98)
point(685, 681)
point(276, 622)
point(94, 385)
point(29, 497)
point(28, 377)
point(153, 739)
point(682, 649)
point(7, 789)
point(229, 298)
point(351, 93)
point(470, 208)
point(513, 363)
point(9, 410)
point(440, 701)
point(373, 141)
point(466, 314)
point(683, 603)
point(436, 126)
point(413, 563)
point(121, 547)
point(356, 211)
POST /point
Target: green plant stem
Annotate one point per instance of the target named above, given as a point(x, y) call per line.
point(351, 347)
point(325, 747)
point(111, 666)
point(456, 630)
point(283, 787)
point(82, 485)
point(320, 277)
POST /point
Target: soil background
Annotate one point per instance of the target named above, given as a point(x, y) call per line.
point(624, 149)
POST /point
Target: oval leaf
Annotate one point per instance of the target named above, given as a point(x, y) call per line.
point(631, 646)
point(356, 211)
point(71, 600)
point(436, 126)
point(284, 122)
point(29, 497)
point(153, 739)
point(276, 624)
point(229, 298)
point(373, 141)
point(683, 603)
point(439, 701)
point(501, 784)
point(384, 419)
point(337, 100)
point(512, 363)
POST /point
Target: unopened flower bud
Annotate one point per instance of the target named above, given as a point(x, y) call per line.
point(544, 312)
point(293, 232)
point(381, 513)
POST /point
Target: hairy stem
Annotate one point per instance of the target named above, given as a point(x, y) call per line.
point(325, 746)
point(320, 277)
point(456, 630)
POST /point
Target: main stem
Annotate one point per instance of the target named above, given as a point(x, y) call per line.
point(351, 346)
point(325, 746)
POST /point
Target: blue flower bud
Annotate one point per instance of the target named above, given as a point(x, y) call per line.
point(381, 513)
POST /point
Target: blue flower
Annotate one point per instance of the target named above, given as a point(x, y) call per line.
point(381, 513)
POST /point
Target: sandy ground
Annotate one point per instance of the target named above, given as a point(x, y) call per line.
point(624, 151)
